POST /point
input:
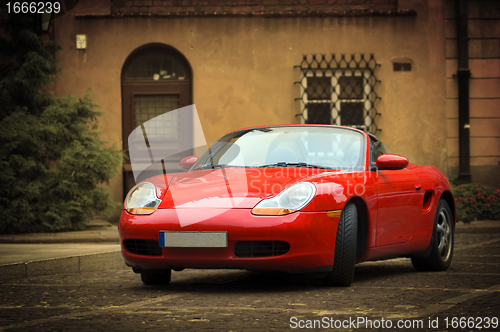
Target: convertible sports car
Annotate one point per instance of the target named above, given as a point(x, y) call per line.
point(295, 198)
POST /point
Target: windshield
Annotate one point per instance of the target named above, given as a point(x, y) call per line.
point(304, 146)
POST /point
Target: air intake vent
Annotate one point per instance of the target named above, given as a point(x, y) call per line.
point(143, 247)
point(428, 200)
point(261, 248)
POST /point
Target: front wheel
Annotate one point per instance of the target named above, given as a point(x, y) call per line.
point(441, 247)
point(156, 277)
point(344, 259)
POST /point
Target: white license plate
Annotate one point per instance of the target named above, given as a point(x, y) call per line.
point(193, 239)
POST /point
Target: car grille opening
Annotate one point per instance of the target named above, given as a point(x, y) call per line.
point(261, 248)
point(143, 247)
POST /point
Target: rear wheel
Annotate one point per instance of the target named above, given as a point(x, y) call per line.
point(441, 247)
point(344, 260)
point(156, 277)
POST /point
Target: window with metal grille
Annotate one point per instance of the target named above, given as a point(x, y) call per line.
point(339, 89)
point(157, 65)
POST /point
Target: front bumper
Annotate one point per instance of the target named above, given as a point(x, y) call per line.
point(311, 236)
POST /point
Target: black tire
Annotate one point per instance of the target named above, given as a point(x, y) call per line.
point(344, 260)
point(440, 252)
point(157, 277)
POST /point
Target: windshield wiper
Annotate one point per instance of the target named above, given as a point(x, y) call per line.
point(214, 166)
point(300, 164)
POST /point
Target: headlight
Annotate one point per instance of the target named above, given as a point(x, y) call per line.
point(142, 199)
point(288, 201)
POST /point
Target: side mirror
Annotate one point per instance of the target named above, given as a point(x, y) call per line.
point(391, 161)
point(188, 162)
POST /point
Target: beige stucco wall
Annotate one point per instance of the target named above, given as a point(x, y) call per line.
point(484, 64)
point(244, 71)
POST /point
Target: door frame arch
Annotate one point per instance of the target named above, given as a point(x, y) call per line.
point(132, 88)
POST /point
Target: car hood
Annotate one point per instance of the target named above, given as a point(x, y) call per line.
point(231, 187)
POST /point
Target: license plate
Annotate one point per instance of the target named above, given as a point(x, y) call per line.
point(193, 239)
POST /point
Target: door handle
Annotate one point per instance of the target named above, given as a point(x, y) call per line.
point(418, 187)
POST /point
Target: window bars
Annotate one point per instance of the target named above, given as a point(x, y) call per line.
point(339, 89)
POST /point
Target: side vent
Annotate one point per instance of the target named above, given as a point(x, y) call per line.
point(428, 200)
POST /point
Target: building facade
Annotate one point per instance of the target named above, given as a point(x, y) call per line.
point(385, 66)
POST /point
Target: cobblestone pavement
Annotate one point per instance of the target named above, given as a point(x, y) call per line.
point(227, 300)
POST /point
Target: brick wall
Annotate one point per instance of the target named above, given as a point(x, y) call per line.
point(255, 7)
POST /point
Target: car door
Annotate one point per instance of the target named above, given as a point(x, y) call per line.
point(398, 201)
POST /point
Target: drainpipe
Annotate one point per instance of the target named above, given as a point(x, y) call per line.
point(463, 75)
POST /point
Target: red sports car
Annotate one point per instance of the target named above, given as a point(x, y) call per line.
point(296, 198)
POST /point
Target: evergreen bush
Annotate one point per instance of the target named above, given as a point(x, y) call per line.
point(53, 165)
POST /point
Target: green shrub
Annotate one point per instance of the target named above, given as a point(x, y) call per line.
point(52, 163)
point(476, 201)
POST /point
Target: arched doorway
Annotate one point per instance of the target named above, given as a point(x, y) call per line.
point(155, 79)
